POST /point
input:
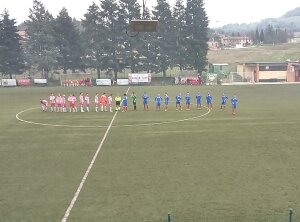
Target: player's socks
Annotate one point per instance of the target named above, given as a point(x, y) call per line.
point(88, 109)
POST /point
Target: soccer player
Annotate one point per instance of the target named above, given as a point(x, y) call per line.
point(187, 101)
point(133, 97)
point(110, 101)
point(234, 103)
point(58, 101)
point(81, 100)
point(72, 100)
point(178, 101)
point(87, 102)
point(52, 102)
point(118, 102)
point(44, 105)
point(64, 105)
point(103, 101)
point(145, 98)
point(96, 102)
point(223, 101)
point(209, 101)
point(198, 100)
point(125, 103)
point(167, 99)
point(158, 100)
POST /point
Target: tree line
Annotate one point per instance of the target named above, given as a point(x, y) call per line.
point(99, 41)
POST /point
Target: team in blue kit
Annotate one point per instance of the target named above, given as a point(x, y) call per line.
point(224, 99)
point(198, 100)
point(187, 101)
point(167, 99)
point(234, 102)
point(178, 101)
point(209, 101)
point(158, 100)
point(145, 98)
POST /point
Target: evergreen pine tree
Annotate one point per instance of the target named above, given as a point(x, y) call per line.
point(113, 32)
point(94, 38)
point(131, 50)
point(180, 35)
point(68, 41)
point(196, 30)
point(11, 55)
point(164, 41)
point(262, 36)
point(41, 52)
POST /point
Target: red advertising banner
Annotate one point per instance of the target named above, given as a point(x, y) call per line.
point(23, 82)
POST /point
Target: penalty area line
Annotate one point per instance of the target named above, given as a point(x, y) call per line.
point(72, 203)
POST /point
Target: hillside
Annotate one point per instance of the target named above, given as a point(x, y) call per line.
point(270, 53)
point(289, 21)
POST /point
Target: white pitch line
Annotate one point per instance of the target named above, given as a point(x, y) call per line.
point(67, 213)
point(125, 125)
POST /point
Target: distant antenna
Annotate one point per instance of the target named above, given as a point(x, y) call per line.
point(142, 25)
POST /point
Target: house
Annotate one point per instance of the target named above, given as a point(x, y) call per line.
point(23, 35)
point(236, 41)
point(213, 45)
point(295, 38)
point(219, 68)
point(269, 71)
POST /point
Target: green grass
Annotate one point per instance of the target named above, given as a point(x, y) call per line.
point(215, 168)
point(269, 53)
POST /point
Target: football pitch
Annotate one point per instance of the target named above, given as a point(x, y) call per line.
point(198, 165)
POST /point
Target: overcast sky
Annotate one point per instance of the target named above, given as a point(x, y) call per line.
point(219, 12)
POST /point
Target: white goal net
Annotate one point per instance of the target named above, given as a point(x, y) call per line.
point(236, 78)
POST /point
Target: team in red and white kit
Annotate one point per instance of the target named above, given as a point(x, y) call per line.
point(58, 103)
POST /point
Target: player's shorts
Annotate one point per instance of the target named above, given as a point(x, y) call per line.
point(125, 104)
point(177, 103)
point(188, 103)
point(145, 102)
point(118, 103)
point(166, 103)
point(223, 103)
point(157, 104)
point(234, 106)
point(72, 105)
point(134, 103)
point(198, 102)
point(52, 104)
point(59, 105)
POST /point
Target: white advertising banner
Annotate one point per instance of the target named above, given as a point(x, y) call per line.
point(9, 82)
point(135, 78)
point(122, 82)
point(40, 81)
point(103, 82)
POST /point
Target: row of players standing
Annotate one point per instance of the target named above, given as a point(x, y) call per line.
point(58, 103)
point(158, 100)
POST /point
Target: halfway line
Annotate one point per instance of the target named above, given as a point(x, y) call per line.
point(67, 213)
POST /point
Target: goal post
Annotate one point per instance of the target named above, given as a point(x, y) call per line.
point(76, 79)
point(236, 77)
